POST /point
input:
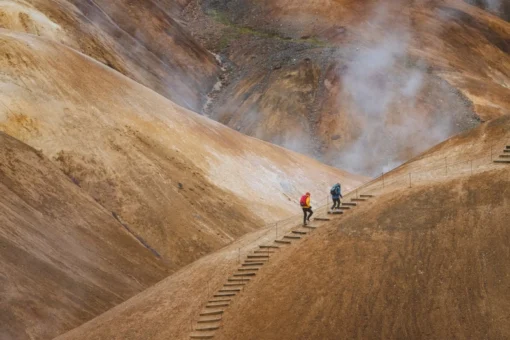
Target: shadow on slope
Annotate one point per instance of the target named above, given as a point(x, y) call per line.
point(422, 263)
point(64, 258)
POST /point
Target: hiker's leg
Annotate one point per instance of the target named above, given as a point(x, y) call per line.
point(304, 218)
point(333, 207)
point(338, 202)
point(335, 203)
point(311, 213)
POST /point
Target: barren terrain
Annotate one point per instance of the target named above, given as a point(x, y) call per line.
point(336, 79)
point(411, 262)
point(182, 185)
point(64, 258)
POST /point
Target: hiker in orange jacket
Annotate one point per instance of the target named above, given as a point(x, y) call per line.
point(307, 207)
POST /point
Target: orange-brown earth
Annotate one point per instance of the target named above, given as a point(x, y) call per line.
point(391, 78)
point(426, 262)
point(140, 39)
point(423, 263)
point(64, 258)
point(182, 184)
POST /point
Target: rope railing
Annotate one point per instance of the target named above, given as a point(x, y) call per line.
point(386, 180)
point(382, 182)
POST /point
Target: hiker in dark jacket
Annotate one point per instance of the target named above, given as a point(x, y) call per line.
point(336, 194)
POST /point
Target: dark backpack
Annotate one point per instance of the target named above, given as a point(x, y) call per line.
point(335, 190)
point(303, 200)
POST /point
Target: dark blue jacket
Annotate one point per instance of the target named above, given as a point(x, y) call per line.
point(338, 191)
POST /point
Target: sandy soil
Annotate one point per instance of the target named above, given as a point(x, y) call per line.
point(183, 184)
point(64, 258)
point(135, 38)
point(423, 263)
point(384, 269)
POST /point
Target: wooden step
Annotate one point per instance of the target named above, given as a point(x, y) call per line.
point(347, 204)
point(507, 150)
point(258, 256)
point(224, 294)
point(239, 279)
point(250, 264)
point(244, 274)
point(220, 300)
point(282, 242)
point(309, 227)
point(335, 212)
point(229, 290)
point(217, 306)
point(240, 284)
point(264, 251)
point(299, 232)
point(292, 237)
point(207, 328)
point(248, 269)
point(506, 161)
point(212, 312)
point(256, 260)
point(358, 199)
point(366, 196)
point(504, 156)
point(508, 147)
point(210, 320)
point(197, 335)
point(321, 219)
point(344, 208)
point(269, 247)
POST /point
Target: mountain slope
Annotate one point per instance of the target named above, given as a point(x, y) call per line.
point(383, 269)
point(392, 77)
point(184, 183)
point(137, 38)
point(64, 258)
point(425, 262)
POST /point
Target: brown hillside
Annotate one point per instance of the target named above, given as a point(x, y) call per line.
point(428, 262)
point(425, 263)
point(391, 78)
point(140, 39)
point(64, 258)
point(182, 182)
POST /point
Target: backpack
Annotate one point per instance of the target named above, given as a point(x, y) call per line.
point(303, 200)
point(335, 190)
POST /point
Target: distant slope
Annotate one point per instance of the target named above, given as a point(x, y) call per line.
point(331, 79)
point(64, 258)
point(184, 183)
point(140, 39)
point(423, 263)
